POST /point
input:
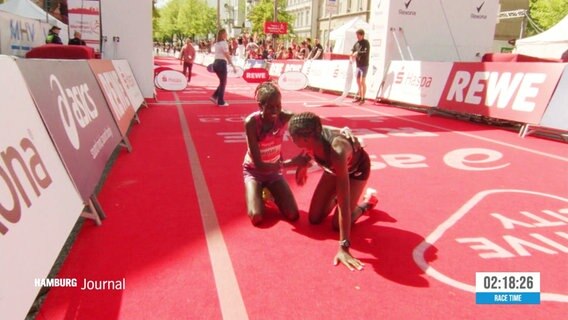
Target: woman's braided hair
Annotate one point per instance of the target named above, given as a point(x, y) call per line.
point(305, 125)
point(266, 91)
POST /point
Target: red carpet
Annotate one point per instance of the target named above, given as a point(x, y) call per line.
point(158, 209)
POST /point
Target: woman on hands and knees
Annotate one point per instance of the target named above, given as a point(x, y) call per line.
point(263, 163)
point(346, 171)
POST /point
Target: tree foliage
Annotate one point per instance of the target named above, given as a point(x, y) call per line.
point(185, 19)
point(264, 11)
point(546, 13)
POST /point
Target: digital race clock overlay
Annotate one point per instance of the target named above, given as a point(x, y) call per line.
point(507, 287)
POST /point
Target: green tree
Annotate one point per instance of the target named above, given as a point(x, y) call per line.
point(185, 19)
point(264, 11)
point(546, 13)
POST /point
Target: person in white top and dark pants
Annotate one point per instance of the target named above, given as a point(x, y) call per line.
point(222, 56)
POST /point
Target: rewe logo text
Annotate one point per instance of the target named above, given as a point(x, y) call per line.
point(496, 89)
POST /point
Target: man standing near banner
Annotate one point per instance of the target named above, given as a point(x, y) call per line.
point(360, 53)
point(186, 58)
point(53, 36)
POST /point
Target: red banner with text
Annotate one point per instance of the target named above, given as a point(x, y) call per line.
point(512, 91)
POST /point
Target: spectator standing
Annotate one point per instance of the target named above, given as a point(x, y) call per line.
point(77, 39)
point(186, 58)
point(360, 53)
point(53, 36)
point(222, 57)
point(317, 51)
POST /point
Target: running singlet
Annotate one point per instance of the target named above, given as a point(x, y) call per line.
point(269, 143)
point(358, 164)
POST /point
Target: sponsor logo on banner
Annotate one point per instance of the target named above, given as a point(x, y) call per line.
point(38, 202)
point(83, 128)
point(171, 80)
point(511, 91)
point(19, 35)
point(20, 165)
point(415, 82)
point(114, 92)
point(76, 108)
point(277, 68)
point(250, 63)
point(407, 11)
point(294, 66)
point(477, 14)
point(129, 82)
point(256, 75)
point(293, 81)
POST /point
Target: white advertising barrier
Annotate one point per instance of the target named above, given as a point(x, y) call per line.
point(129, 83)
point(276, 68)
point(237, 72)
point(171, 80)
point(38, 202)
point(428, 30)
point(556, 115)
point(328, 74)
point(208, 59)
point(415, 82)
point(293, 81)
point(199, 57)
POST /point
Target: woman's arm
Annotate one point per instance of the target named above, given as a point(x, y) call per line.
point(341, 152)
point(340, 155)
point(228, 56)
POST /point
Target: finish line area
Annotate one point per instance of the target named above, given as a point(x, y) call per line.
point(455, 198)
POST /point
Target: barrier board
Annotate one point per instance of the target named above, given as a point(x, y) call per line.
point(38, 203)
point(556, 115)
point(129, 83)
point(114, 93)
point(76, 115)
point(415, 82)
point(511, 91)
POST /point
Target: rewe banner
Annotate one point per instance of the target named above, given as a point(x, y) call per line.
point(38, 203)
point(114, 92)
point(256, 75)
point(518, 92)
point(76, 115)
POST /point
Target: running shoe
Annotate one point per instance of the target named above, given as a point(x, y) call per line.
point(370, 199)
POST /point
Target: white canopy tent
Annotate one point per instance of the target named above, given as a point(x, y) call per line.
point(345, 37)
point(28, 9)
point(549, 44)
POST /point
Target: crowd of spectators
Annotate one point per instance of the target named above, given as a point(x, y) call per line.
point(246, 46)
